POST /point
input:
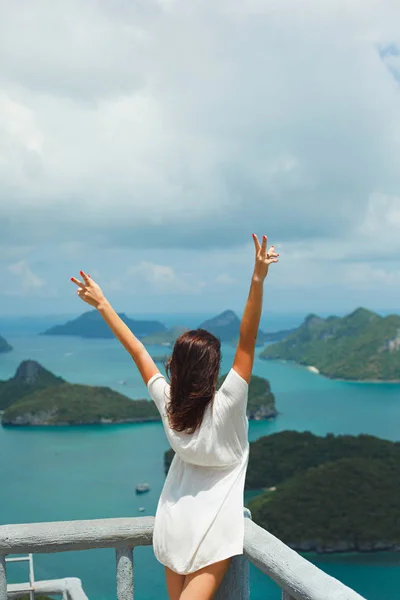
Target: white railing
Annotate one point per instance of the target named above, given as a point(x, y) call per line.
point(298, 578)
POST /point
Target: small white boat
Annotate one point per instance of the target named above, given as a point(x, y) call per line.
point(141, 508)
point(141, 488)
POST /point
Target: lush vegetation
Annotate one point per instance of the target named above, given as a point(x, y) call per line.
point(277, 457)
point(4, 345)
point(327, 494)
point(78, 405)
point(34, 396)
point(360, 346)
point(29, 377)
point(349, 504)
point(92, 325)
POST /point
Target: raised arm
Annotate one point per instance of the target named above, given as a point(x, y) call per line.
point(91, 293)
point(244, 357)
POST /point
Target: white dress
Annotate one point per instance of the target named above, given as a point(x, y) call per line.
point(199, 518)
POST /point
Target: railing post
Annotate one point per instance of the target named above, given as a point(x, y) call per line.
point(124, 573)
point(3, 578)
point(236, 581)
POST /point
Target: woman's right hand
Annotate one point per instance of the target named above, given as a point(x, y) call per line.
point(263, 258)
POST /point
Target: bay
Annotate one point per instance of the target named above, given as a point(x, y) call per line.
point(91, 472)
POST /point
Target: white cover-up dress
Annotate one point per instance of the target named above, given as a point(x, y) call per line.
point(199, 518)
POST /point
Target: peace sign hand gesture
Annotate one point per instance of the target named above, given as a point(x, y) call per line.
point(88, 290)
point(263, 258)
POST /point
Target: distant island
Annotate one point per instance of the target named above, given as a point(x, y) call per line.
point(226, 326)
point(34, 396)
point(92, 325)
point(164, 338)
point(362, 346)
point(4, 345)
point(331, 494)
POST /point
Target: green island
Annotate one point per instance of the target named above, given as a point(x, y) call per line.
point(164, 338)
point(362, 346)
point(91, 325)
point(325, 494)
point(4, 345)
point(34, 396)
point(331, 494)
point(226, 326)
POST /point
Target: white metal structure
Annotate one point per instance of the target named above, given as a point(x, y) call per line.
point(31, 586)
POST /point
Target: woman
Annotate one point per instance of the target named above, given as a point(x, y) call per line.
point(199, 522)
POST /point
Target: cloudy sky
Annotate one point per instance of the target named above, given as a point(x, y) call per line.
point(145, 140)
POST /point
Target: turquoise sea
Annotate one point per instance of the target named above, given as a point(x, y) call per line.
point(86, 473)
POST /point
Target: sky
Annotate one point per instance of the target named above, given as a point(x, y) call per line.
point(144, 141)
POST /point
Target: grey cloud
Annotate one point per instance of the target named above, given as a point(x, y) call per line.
point(192, 124)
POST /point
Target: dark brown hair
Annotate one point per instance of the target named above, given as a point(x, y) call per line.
point(193, 371)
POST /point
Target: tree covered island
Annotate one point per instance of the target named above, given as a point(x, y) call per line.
point(362, 346)
point(226, 326)
point(325, 494)
point(91, 325)
point(331, 494)
point(34, 396)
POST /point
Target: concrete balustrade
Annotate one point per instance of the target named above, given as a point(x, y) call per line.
point(298, 578)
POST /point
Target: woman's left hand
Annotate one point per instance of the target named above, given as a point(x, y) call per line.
point(88, 290)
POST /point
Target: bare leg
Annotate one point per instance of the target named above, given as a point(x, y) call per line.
point(203, 584)
point(174, 584)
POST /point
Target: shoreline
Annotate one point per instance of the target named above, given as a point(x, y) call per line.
point(316, 371)
point(345, 548)
point(106, 422)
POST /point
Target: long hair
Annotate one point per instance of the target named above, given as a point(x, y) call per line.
point(193, 372)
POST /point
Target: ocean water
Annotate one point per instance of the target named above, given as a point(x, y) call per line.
point(91, 472)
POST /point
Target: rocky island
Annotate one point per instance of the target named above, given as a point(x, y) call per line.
point(91, 325)
point(34, 396)
point(4, 345)
point(226, 326)
point(362, 346)
point(331, 494)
